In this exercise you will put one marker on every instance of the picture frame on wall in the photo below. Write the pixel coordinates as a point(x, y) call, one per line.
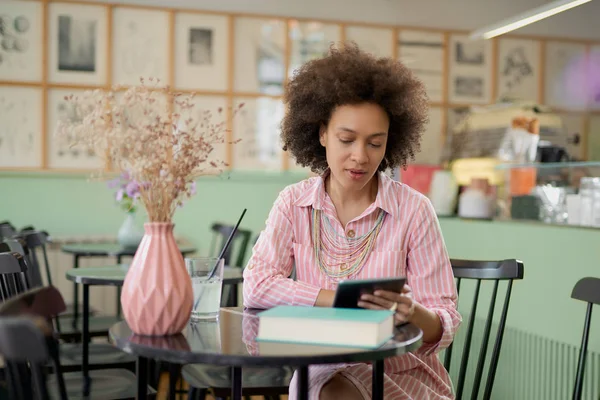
point(61, 154)
point(376, 41)
point(594, 78)
point(21, 127)
point(519, 69)
point(470, 70)
point(201, 51)
point(431, 141)
point(454, 142)
point(593, 143)
point(140, 46)
point(310, 40)
point(260, 51)
point(565, 84)
point(77, 44)
point(257, 128)
point(21, 39)
point(423, 52)
point(204, 104)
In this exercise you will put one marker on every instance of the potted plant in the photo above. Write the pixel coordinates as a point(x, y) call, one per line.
point(163, 143)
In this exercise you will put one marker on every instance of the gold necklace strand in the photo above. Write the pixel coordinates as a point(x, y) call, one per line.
point(354, 246)
point(359, 260)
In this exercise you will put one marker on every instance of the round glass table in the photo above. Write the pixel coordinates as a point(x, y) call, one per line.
point(114, 275)
point(230, 341)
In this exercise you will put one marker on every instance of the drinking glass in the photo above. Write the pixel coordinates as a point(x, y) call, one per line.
point(207, 292)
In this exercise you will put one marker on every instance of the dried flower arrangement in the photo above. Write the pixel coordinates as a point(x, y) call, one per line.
point(151, 133)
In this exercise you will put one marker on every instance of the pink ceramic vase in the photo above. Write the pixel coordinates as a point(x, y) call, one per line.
point(157, 293)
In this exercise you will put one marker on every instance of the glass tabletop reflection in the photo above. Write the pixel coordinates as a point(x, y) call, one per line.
point(231, 340)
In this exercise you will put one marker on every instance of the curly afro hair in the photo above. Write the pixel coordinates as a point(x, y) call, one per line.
point(350, 76)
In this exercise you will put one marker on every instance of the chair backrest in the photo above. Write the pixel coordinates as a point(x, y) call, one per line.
point(7, 230)
point(27, 342)
point(24, 350)
point(495, 271)
point(17, 245)
point(587, 290)
point(241, 240)
point(37, 240)
point(13, 275)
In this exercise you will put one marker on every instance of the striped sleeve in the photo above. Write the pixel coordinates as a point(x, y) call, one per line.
point(430, 275)
point(266, 277)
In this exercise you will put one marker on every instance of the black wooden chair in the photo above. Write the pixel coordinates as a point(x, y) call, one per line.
point(29, 346)
point(238, 246)
point(7, 230)
point(239, 243)
point(587, 290)
point(478, 271)
point(14, 281)
point(18, 245)
point(70, 325)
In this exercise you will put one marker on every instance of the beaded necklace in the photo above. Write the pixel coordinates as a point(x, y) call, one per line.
point(351, 258)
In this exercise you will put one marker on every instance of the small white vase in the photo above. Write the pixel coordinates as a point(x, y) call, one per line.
point(130, 235)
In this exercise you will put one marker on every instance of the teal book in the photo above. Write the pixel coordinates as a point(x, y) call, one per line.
point(339, 327)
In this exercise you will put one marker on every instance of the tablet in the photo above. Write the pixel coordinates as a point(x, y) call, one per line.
point(348, 292)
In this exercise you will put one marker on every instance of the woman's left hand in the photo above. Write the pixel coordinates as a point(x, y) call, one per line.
point(401, 303)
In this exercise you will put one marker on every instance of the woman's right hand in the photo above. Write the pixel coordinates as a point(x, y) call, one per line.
point(325, 298)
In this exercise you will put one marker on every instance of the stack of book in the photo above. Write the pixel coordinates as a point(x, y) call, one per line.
point(323, 327)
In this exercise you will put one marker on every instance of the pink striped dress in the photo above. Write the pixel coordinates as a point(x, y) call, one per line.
point(409, 244)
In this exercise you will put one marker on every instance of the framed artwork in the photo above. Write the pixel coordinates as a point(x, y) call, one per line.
point(21, 41)
point(377, 41)
point(593, 143)
point(518, 69)
point(201, 51)
point(470, 72)
point(454, 143)
point(310, 40)
point(20, 130)
point(77, 44)
point(140, 45)
point(566, 75)
point(594, 78)
point(431, 141)
point(61, 154)
point(259, 55)
point(258, 127)
point(212, 104)
point(423, 53)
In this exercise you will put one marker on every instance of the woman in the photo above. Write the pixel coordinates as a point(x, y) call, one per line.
point(350, 117)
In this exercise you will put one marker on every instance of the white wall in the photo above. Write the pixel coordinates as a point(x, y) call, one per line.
point(581, 22)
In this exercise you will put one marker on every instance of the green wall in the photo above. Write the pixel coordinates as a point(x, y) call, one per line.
point(71, 205)
point(555, 257)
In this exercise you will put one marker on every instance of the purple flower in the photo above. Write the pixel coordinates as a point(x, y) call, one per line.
point(193, 188)
point(120, 194)
point(133, 190)
point(113, 183)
